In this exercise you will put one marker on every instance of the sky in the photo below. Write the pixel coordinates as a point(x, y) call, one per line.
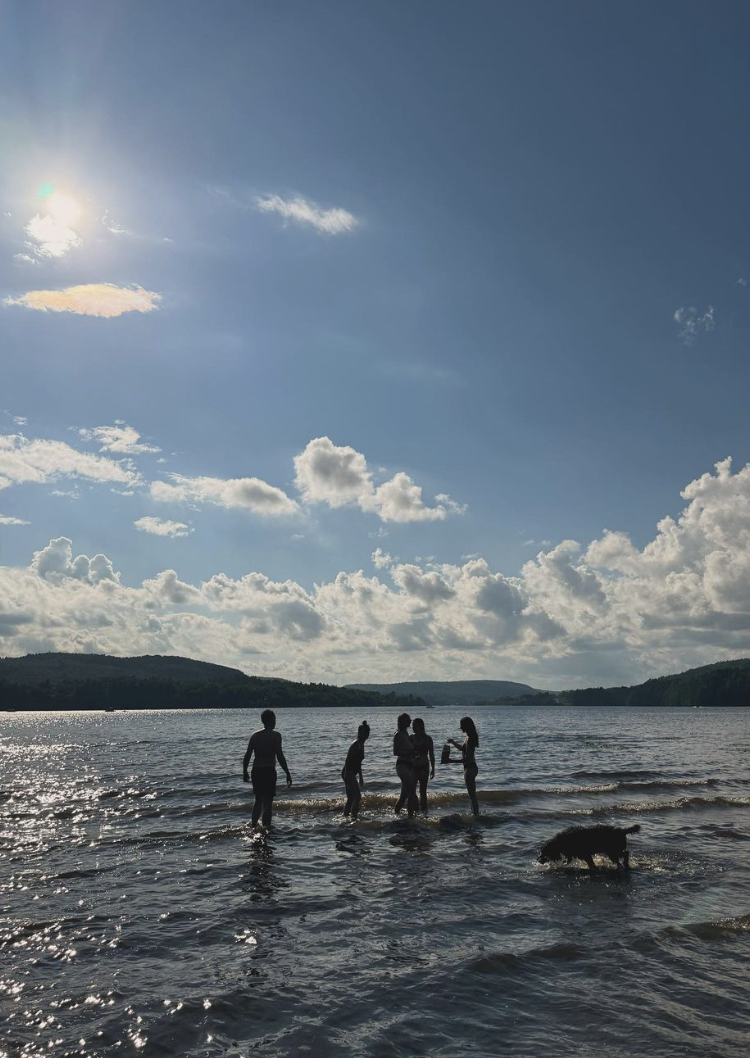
point(376, 342)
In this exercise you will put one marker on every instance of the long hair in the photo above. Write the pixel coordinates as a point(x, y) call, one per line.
point(363, 730)
point(403, 721)
point(418, 725)
point(470, 728)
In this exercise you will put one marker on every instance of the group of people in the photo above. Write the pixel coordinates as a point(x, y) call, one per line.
point(415, 765)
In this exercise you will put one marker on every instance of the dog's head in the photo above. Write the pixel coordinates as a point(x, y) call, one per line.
point(550, 851)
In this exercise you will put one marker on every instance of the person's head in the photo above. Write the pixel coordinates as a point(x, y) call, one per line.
point(404, 721)
point(468, 727)
point(418, 725)
point(268, 719)
point(363, 731)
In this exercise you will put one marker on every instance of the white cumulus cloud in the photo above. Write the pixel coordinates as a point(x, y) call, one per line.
point(339, 476)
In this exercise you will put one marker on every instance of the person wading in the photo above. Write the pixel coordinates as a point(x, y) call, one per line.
point(403, 751)
point(424, 761)
point(468, 749)
point(351, 773)
point(266, 745)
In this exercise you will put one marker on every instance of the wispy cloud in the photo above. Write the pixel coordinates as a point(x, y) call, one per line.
point(91, 299)
point(302, 211)
point(42, 461)
point(118, 438)
point(162, 527)
point(691, 323)
point(5, 519)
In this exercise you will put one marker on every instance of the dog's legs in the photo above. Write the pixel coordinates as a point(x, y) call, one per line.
point(626, 860)
point(590, 861)
point(615, 859)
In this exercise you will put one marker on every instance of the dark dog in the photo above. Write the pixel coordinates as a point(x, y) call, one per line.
point(581, 843)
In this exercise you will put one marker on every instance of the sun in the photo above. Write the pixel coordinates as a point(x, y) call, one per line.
point(63, 208)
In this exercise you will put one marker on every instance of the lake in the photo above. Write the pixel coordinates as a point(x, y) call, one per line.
point(140, 914)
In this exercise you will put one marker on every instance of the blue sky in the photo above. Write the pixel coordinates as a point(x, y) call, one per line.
point(499, 248)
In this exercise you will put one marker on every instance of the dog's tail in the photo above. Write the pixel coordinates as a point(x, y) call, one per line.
point(632, 830)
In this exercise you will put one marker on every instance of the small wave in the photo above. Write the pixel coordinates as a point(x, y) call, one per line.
point(512, 961)
point(640, 807)
point(705, 930)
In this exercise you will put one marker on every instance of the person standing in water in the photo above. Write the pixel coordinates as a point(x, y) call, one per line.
point(351, 773)
point(266, 745)
point(424, 762)
point(468, 749)
point(403, 751)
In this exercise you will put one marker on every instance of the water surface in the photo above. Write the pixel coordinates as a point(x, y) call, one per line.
point(139, 913)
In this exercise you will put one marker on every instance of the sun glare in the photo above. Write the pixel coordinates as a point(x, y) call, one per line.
point(63, 208)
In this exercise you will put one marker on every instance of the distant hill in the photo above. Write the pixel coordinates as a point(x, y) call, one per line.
point(98, 681)
point(462, 693)
point(725, 683)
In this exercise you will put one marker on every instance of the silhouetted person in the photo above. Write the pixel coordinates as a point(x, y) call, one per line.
point(351, 773)
point(403, 751)
point(468, 748)
point(424, 761)
point(266, 745)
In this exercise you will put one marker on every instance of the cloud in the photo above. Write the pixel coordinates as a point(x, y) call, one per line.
point(250, 494)
point(691, 324)
point(55, 562)
point(6, 519)
point(53, 238)
point(339, 476)
point(301, 211)
point(162, 527)
point(40, 461)
point(573, 615)
point(117, 438)
point(92, 299)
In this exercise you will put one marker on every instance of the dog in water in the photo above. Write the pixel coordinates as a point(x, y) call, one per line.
point(582, 843)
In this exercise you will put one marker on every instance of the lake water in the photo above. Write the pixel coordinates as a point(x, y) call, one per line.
point(139, 914)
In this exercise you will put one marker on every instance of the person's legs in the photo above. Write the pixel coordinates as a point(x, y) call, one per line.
point(356, 798)
point(422, 776)
point(264, 788)
point(404, 792)
point(352, 793)
point(408, 779)
point(470, 776)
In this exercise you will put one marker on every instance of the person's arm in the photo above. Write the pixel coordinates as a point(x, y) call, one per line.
point(282, 761)
point(431, 752)
point(246, 760)
point(361, 779)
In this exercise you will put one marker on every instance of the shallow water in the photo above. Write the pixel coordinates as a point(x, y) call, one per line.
point(139, 914)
